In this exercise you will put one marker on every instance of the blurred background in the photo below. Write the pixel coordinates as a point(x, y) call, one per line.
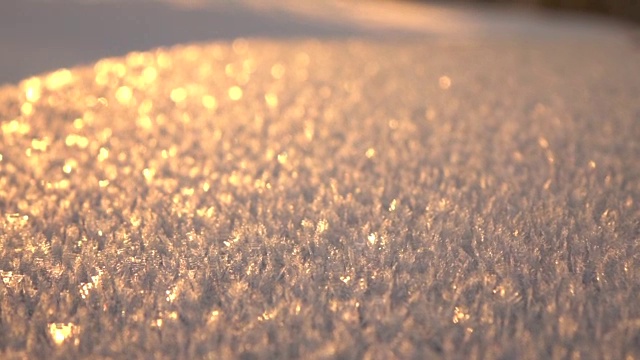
point(42, 35)
point(627, 9)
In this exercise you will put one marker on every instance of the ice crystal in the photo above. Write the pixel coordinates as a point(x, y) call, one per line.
point(339, 199)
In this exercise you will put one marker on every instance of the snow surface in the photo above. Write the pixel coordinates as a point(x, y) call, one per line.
point(262, 198)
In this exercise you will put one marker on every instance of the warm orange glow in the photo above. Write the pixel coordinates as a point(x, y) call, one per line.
point(272, 100)
point(460, 315)
point(15, 127)
point(372, 239)
point(164, 60)
point(57, 80)
point(209, 102)
point(393, 205)
point(148, 173)
point(444, 82)
point(277, 71)
point(78, 123)
point(61, 332)
point(124, 94)
point(323, 225)
point(144, 122)
point(69, 166)
point(76, 140)
point(103, 154)
point(235, 93)
point(135, 221)
point(32, 89)
point(178, 95)
point(283, 157)
point(26, 109)
point(39, 144)
point(371, 152)
point(149, 74)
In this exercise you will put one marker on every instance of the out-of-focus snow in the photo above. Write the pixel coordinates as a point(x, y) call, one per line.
point(448, 183)
point(317, 199)
point(39, 36)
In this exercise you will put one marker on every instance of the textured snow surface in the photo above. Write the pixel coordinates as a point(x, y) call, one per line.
point(346, 199)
